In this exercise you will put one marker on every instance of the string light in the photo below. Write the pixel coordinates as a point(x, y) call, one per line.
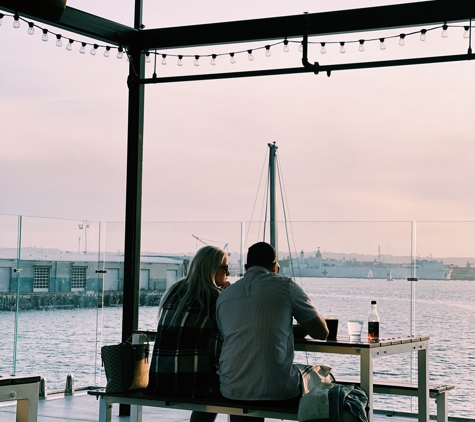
point(286, 46)
point(120, 50)
point(444, 30)
point(16, 21)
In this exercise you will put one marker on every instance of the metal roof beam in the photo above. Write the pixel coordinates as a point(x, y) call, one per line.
point(336, 22)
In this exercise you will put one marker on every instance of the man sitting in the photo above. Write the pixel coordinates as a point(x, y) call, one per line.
point(255, 320)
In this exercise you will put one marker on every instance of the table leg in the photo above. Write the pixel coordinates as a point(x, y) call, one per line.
point(27, 402)
point(423, 383)
point(105, 410)
point(366, 378)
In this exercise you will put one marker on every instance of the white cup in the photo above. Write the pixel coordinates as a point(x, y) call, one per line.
point(355, 327)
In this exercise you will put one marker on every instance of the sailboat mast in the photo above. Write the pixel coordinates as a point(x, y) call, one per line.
point(272, 194)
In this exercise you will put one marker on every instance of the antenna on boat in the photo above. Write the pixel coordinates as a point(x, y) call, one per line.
point(272, 195)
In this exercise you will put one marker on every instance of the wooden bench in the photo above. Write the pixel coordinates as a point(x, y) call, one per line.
point(23, 390)
point(220, 405)
point(139, 399)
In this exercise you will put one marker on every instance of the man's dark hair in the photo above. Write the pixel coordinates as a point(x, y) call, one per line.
point(261, 254)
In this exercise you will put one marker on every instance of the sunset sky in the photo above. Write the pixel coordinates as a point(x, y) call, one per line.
point(391, 144)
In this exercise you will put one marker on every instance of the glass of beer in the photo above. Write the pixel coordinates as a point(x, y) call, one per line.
point(332, 324)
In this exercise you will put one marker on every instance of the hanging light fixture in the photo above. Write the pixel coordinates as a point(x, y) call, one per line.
point(233, 59)
point(31, 28)
point(402, 41)
point(286, 46)
point(59, 41)
point(361, 46)
point(107, 51)
point(69, 46)
point(250, 56)
point(164, 59)
point(16, 21)
point(423, 36)
point(44, 37)
point(382, 44)
point(323, 49)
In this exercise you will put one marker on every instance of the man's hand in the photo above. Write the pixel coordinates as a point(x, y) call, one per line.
point(316, 328)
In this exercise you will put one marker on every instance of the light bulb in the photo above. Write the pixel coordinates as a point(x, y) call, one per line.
point(342, 48)
point(268, 53)
point(69, 46)
point(444, 31)
point(233, 59)
point(250, 55)
point(179, 62)
point(213, 60)
point(382, 45)
point(31, 28)
point(44, 37)
point(323, 49)
point(94, 49)
point(401, 40)
point(286, 46)
point(1, 18)
point(466, 32)
point(16, 21)
point(164, 59)
point(120, 54)
point(197, 61)
point(147, 57)
point(361, 47)
point(301, 48)
point(107, 52)
point(82, 50)
point(423, 36)
point(59, 41)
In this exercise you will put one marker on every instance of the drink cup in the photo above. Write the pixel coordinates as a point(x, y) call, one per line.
point(355, 327)
point(332, 324)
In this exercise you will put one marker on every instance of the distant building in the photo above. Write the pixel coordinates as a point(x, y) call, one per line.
point(55, 271)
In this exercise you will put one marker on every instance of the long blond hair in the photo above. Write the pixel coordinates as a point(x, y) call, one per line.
point(200, 282)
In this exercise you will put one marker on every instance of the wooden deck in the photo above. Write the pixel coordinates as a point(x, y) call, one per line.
point(84, 408)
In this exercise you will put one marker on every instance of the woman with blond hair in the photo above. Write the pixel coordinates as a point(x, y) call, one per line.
point(188, 344)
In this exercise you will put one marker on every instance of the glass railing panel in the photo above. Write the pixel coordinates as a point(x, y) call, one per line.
point(8, 291)
point(343, 266)
point(445, 305)
point(58, 326)
point(167, 249)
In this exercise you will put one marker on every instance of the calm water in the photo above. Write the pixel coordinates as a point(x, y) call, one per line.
point(63, 342)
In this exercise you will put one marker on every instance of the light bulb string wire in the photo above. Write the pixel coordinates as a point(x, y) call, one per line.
point(285, 42)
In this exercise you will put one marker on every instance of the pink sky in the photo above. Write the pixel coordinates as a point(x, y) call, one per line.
point(381, 144)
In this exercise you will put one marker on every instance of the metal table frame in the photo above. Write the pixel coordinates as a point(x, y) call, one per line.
point(368, 351)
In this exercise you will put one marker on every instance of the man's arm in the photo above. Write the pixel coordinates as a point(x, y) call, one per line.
point(316, 328)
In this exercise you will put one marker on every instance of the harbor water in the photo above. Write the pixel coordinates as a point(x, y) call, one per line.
point(56, 342)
